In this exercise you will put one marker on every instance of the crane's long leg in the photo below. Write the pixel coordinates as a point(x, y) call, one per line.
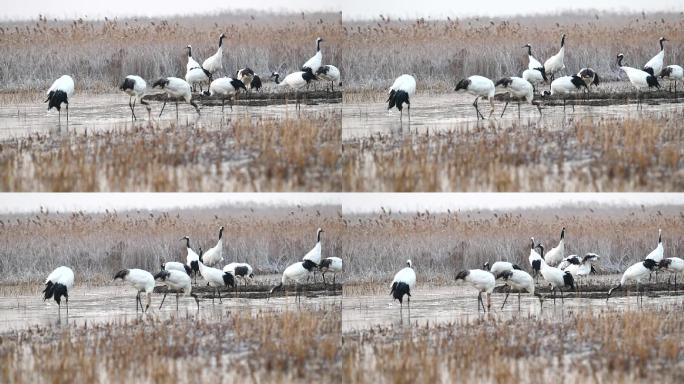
point(176, 111)
point(59, 118)
point(518, 301)
point(176, 301)
point(477, 110)
point(408, 303)
point(518, 110)
point(163, 298)
point(504, 109)
point(561, 291)
point(506, 298)
point(67, 108)
point(163, 106)
point(67, 306)
point(219, 294)
point(137, 298)
point(554, 295)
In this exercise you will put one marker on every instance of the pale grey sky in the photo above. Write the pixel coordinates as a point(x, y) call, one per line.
point(353, 9)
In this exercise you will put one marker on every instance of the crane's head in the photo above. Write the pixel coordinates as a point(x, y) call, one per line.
point(620, 56)
point(409, 263)
point(319, 40)
point(663, 39)
point(162, 275)
point(485, 266)
point(532, 246)
point(121, 274)
point(505, 275)
point(527, 45)
point(223, 36)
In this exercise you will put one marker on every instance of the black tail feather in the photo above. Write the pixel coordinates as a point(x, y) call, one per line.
point(398, 99)
point(228, 279)
point(55, 290)
point(652, 81)
point(56, 98)
point(399, 290)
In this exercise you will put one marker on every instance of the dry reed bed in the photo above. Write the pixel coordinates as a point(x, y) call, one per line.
point(247, 155)
point(438, 52)
point(98, 54)
point(293, 346)
point(95, 246)
point(375, 246)
point(586, 154)
point(606, 346)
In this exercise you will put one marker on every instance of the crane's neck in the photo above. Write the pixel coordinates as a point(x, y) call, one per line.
point(529, 51)
point(662, 47)
point(563, 41)
point(220, 233)
point(318, 238)
point(187, 243)
point(221, 41)
point(318, 45)
point(189, 51)
point(619, 61)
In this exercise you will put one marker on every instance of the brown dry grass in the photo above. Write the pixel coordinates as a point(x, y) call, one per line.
point(95, 246)
point(293, 346)
point(375, 246)
point(99, 54)
point(587, 154)
point(643, 346)
point(439, 52)
point(248, 155)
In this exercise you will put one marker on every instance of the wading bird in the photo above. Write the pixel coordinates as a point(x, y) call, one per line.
point(566, 85)
point(655, 65)
point(555, 277)
point(256, 83)
point(674, 265)
point(295, 274)
point(556, 254)
point(175, 88)
point(216, 278)
point(535, 70)
point(214, 255)
point(481, 280)
point(519, 280)
point(192, 63)
point(399, 94)
point(176, 266)
point(402, 284)
point(330, 265)
point(57, 285)
point(639, 79)
point(658, 253)
point(314, 62)
point(314, 255)
point(589, 76)
point(535, 258)
point(225, 87)
point(197, 76)
point(243, 271)
point(673, 73)
point(192, 258)
point(555, 63)
point(520, 89)
point(478, 86)
point(142, 281)
point(500, 266)
point(329, 73)
point(214, 63)
point(580, 268)
point(635, 273)
point(135, 88)
point(295, 81)
point(177, 281)
point(59, 93)
point(246, 75)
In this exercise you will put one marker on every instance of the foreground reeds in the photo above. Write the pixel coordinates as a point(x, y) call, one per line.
point(581, 155)
point(292, 346)
point(606, 346)
point(375, 246)
point(265, 154)
point(95, 246)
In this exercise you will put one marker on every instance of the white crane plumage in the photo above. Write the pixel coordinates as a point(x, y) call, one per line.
point(518, 88)
point(216, 278)
point(192, 63)
point(555, 63)
point(192, 259)
point(176, 266)
point(402, 284)
point(214, 255)
point(225, 87)
point(480, 87)
point(57, 285)
point(655, 65)
point(674, 265)
point(314, 62)
point(295, 274)
point(295, 81)
point(246, 75)
point(243, 271)
point(330, 265)
point(581, 268)
point(589, 76)
point(500, 266)
point(135, 87)
point(329, 73)
point(314, 255)
point(566, 85)
point(177, 89)
point(535, 70)
point(636, 272)
point(639, 79)
point(178, 281)
point(400, 93)
point(59, 93)
point(535, 258)
point(214, 63)
point(555, 277)
point(519, 280)
point(556, 254)
point(142, 281)
point(197, 76)
point(483, 281)
point(673, 73)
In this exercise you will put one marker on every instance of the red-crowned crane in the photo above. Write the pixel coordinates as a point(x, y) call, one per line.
point(636, 273)
point(214, 255)
point(142, 281)
point(175, 88)
point(478, 86)
point(481, 280)
point(520, 89)
point(216, 278)
point(59, 93)
point(400, 93)
point(555, 277)
point(402, 284)
point(214, 63)
point(673, 73)
point(655, 65)
point(519, 280)
point(57, 285)
point(555, 63)
point(314, 62)
point(135, 88)
point(639, 79)
point(178, 281)
point(294, 274)
point(329, 73)
point(330, 265)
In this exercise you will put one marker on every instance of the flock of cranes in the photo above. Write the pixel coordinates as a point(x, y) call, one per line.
point(178, 276)
point(198, 75)
point(559, 271)
point(523, 88)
